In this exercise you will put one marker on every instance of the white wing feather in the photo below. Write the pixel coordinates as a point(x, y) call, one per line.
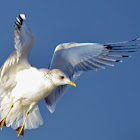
point(74, 58)
point(24, 41)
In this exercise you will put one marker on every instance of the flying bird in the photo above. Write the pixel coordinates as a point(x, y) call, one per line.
point(22, 86)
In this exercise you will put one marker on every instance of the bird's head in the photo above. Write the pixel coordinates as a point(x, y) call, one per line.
point(59, 78)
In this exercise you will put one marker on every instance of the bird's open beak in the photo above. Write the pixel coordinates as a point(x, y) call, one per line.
point(72, 83)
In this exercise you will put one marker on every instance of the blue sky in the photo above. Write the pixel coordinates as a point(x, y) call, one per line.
point(105, 105)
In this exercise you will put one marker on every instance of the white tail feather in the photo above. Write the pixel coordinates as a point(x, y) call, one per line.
point(5, 104)
point(17, 114)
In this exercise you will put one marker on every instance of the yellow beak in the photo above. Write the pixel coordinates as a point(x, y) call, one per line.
point(72, 83)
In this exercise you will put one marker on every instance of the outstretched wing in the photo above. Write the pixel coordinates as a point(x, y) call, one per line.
point(74, 58)
point(24, 41)
point(24, 38)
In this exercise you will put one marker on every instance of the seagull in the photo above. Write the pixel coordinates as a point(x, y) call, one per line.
point(22, 86)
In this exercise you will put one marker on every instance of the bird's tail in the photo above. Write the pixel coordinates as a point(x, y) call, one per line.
point(17, 114)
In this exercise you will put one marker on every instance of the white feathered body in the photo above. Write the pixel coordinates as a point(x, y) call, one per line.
point(31, 87)
point(34, 89)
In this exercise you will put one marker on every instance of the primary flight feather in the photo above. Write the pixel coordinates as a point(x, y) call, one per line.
point(23, 86)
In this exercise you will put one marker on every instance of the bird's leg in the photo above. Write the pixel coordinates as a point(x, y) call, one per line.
point(3, 121)
point(20, 130)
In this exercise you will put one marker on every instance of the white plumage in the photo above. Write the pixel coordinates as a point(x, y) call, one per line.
point(23, 86)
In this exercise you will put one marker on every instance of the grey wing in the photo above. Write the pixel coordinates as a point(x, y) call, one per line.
point(24, 41)
point(74, 58)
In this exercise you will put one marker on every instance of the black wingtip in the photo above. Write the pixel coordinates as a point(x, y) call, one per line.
point(109, 47)
point(19, 21)
point(22, 17)
point(118, 61)
point(125, 56)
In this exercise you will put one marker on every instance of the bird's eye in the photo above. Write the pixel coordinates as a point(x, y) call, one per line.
point(62, 77)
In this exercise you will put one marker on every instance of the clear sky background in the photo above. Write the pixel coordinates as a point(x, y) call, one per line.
point(105, 105)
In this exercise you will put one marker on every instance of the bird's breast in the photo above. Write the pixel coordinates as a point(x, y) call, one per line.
point(31, 86)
